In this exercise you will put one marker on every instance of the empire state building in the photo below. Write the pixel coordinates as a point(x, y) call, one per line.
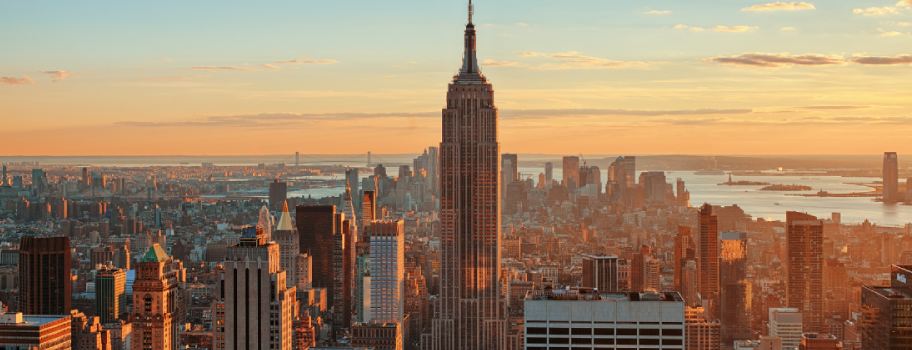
point(471, 312)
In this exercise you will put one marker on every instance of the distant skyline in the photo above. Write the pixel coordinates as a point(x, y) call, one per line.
point(580, 76)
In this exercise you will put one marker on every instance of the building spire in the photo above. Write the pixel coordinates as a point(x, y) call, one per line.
point(471, 11)
point(470, 60)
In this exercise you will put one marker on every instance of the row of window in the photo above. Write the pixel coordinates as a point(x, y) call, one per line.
point(604, 331)
point(604, 341)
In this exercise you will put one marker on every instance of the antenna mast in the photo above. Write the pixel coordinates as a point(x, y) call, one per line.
point(471, 11)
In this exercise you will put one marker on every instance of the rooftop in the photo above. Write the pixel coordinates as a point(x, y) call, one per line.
point(588, 294)
point(155, 254)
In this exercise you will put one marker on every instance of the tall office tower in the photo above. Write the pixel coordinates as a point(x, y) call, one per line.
point(645, 271)
point(786, 324)
point(344, 253)
point(110, 297)
point(317, 228)
point(471, 313)
point(682, 195)
point(387, 271)
point(708, 261)
point(736, 288)
point(265, 222)
point(654, 187)
point(564, 318)
point(890, 177)
point(3, 180)
point(570, 172)
point(600, 272)
point(354, 182)
point(45, 287)
point(622, 180)
point(684, 250)
point(39, 332)
point(278, 193)
point(368, 208)
point(804, 237)
point(549, 174)
point(885, 316)
point(39, 181)
point(690, 286)
point(259, 304)
point(297, 159)
point(289, 246)
point(155, 301)
point(509, 173)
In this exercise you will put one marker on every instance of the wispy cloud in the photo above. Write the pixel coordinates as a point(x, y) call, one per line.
point(500, 63)
point(275, 65)
point(780, 6)
point(889, 33)
point(788, 29)
point(883, 60)
point(657, 12)
point(876, 11)
point(24, 80)
point(733, 29)
point(778, 60)
point(58, 75)
point(717, 29)
point(569, 60)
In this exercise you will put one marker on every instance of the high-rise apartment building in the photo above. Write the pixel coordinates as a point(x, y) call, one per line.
point(45, 287)
point(708, 261)
point(110, 297)
point(570, 172)
point(885, 312)
point(583, 318)
point(155, 301)
point(259, 305)
point(786, 324)
point(735, 305)
point(890, 177)
point(600, 272)
point(471, 313)
point(387, 271)
point(804, 267)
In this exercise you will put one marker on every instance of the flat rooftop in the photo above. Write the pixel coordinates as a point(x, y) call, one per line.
point(891, 293)
point(586, 294)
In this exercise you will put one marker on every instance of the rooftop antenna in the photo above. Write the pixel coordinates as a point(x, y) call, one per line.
point(471, 11)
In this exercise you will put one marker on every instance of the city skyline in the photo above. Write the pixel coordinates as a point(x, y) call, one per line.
point(196, 78)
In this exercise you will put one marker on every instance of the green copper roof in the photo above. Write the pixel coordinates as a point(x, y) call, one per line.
point(155, 254)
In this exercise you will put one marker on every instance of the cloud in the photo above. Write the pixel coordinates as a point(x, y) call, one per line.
point(733, 29)
point(717, 29)
point(778, 60)
point(788, 29)
point(25, 80)
point(876, 11)
point(275, 65)
point(883, 60)
point(830, 108)
point(500, 63)
point(657, 13)
point(569, 60)
point(780, 6)
point(58, 75)
point(890, 33)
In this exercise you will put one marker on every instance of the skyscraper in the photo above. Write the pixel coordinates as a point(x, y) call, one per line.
point(155, 301)
point(787, 325)
point(570, 172)
point(804, 239)
point(549, 174)
point(735, 296)
point(387, 271)
point(278, 193)
point(708, 261)
point(471, 313)
point(45, 287)
point(890, 177)
point(110, 297)
point(509, 172)
point(317, 227)
point(289, 246)
point(601, 273)
point(259, 304)
point(684, 250)
point(885, 314)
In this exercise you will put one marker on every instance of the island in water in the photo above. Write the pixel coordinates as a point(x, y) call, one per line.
point(780, 187)
point(744, 183)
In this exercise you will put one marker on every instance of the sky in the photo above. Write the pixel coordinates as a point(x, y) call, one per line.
point(349, 76)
